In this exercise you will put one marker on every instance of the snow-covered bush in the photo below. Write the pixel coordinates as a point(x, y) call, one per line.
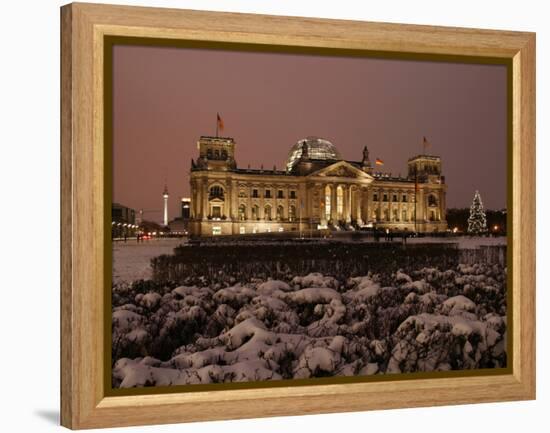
point(313, 325)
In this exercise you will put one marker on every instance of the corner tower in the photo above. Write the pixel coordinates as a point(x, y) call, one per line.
point(216, 153)
point(425, 168)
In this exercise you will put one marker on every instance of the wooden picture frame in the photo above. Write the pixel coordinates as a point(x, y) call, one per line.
point(84, 399)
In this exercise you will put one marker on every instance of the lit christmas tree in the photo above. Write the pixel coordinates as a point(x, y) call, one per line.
point(477, 223)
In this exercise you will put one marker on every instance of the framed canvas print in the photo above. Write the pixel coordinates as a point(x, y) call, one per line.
point(272, 216)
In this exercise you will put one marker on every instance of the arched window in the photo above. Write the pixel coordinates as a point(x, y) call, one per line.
point(209, 153)
point(267, 213)
point(432, 200)
point(340, 202)
point(216, 191)
point(224, 154)
point(242, 212)
point(292, 213)
point(327, 202)
point(280, 213)
point(255, 212)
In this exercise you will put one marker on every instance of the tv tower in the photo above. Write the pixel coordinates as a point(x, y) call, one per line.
point(165, 197)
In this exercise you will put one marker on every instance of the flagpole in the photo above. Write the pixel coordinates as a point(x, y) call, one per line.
point(217, 123)
point(415, 198)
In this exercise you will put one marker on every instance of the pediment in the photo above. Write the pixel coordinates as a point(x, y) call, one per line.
point(342, 169)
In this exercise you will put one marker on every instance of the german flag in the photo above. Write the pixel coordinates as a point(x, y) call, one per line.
point(220, 122)
point(379, 161)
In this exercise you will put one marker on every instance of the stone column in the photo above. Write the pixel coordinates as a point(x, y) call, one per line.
point(204, 189)
point(333, 207)
point(365, 205)
point(421, 209)
point(400, 206)
point(442, 205)
point(353, 202)
point(228, 200)
point(322, 205)
point(347, 203)
point(197, 200)
point(359, 204)
point(234, 204)
point(310, 192)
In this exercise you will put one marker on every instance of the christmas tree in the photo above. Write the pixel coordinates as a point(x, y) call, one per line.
point(477, 223)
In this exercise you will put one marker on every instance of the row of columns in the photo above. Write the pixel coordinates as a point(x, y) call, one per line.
point(351, 203)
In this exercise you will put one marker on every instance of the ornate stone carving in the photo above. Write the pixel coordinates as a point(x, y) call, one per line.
point(342, 171)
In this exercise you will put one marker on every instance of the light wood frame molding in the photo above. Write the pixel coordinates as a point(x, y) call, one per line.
point(84, 403)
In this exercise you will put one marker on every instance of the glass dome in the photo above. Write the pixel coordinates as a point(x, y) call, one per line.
point(318, 148)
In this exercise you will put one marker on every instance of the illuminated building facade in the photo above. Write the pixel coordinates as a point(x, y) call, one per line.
point(318, 190)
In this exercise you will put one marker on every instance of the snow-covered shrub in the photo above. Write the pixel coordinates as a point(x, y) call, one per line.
point(316, 325)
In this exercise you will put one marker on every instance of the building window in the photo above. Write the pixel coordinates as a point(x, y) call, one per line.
point(216, 212)
point(209, 153)
point(404, 215)
point(242, 193)
point(340, 202)
point(395, 215)
point(292, 194)
point(267, 193)
point(242, 230)
point(267, 213)
point(216, 192)
point(242, 212)
point(385, 197)
point(432, 200)
point(394, 198)
point(404, 198)
point(386, 214)
point(375, 197)
point(292, 213)
point(280, 213)
point(327, 202)
point(280, 194)
point(255, 193)
point(216, 230)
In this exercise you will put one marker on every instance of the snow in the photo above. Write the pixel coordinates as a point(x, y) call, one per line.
point(131, 260)
point(314, 325)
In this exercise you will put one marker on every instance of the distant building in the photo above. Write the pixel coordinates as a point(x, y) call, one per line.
point(318, 190)
point(123, 214)
point(180, 225)
point(123, 222)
